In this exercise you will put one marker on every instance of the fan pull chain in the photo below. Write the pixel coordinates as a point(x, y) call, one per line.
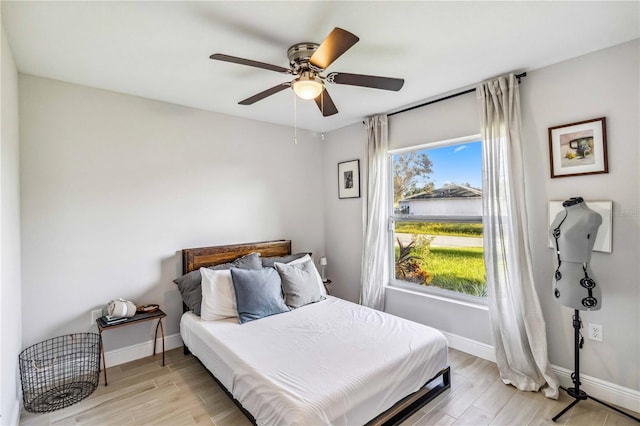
point(295, 120)
point(322, 121)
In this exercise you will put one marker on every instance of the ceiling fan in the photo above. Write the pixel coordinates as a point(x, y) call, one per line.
point(307, 61)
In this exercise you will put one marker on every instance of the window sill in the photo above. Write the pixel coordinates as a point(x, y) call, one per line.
point(470, 304)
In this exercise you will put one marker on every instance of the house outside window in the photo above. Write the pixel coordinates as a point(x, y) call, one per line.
point(436, 224)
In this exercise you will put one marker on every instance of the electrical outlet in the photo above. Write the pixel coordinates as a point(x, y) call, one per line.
point(595, 332)
point(95, 314)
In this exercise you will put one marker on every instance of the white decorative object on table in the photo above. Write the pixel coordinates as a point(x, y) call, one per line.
point(323, 269)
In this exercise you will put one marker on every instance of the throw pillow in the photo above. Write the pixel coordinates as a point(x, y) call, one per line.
point(305, 258)
point(258, 293)
point(218, 297)
point(189, 284)
point(268, 262)
point(299, 283)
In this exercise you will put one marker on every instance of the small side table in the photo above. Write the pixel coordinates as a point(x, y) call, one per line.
point(137, 318)
point(327, 283)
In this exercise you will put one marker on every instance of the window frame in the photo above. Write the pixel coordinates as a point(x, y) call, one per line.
point(392, 218)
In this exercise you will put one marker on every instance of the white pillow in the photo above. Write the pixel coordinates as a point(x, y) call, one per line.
point(306, 257)
point(218, 295)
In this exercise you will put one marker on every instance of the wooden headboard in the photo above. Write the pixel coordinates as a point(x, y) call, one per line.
point(201, 257)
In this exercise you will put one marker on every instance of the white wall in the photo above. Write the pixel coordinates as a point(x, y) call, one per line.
point(604, 83)
point(114, 186)
point(10, 294)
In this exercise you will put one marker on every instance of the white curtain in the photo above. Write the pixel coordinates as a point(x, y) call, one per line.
point(374, 268)
point(516, 318)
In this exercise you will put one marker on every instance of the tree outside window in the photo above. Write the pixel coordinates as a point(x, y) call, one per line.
point(437, 224)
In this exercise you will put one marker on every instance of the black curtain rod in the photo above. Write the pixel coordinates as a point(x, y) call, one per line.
point(518, 76)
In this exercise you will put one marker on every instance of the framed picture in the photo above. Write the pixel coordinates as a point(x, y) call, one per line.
point(578, 148)
point(349, 179)
point(603, 238)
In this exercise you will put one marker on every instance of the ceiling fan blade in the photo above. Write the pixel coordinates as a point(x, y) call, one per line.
point(255, 98)
point(249, 62)
point(336, 43)
point(385, 83)
point(325, 104)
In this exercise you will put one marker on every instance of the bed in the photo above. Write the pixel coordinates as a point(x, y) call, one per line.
point(329, 362)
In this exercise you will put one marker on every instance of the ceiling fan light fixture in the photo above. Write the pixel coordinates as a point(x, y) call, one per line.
point(308, 86)
point(307, 61)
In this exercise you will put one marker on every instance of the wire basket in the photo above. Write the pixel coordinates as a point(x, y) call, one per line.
point(59, 372)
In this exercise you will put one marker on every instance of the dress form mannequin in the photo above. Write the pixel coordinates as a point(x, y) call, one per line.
point(574, 231)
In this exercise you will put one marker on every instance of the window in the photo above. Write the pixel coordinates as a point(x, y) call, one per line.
point(436, 224)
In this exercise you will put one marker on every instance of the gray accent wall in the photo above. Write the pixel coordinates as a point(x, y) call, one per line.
point(114, 186)
point(10, 286)
point(604, 83)
point(452, 119)
point(343, 217)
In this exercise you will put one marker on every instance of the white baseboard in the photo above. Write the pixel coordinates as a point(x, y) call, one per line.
point(141, 350)
point(609, 392)
point(472, 347)
point(606, 391)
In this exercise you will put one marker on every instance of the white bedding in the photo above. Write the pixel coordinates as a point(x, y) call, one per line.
point(331, 362)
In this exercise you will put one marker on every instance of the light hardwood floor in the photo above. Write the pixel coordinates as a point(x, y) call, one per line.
point(183, 393)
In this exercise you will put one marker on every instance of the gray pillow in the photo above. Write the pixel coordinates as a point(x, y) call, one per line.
point(299, 283)
point(267, 262)
point(249, 261)
point(190, 285)
point(258, 293)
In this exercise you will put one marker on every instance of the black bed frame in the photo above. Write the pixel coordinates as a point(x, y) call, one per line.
point(388, 418)
point(193, 259)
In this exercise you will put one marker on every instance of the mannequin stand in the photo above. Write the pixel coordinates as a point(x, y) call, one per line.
point(575, 392)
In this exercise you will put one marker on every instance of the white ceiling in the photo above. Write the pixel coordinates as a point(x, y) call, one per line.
point(160, 50)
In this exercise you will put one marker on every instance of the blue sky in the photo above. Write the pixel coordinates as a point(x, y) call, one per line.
point(456, 164)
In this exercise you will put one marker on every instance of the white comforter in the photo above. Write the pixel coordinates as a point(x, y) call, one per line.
point(331, 362)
